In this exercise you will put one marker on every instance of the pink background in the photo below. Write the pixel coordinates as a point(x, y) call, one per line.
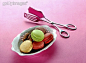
point(71, 50)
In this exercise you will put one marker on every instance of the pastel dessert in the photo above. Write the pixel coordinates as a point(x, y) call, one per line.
point(26, 46)
point(26, 36)
point(38, 45)
point(41, 28)
point(37, 35)
point(48, 37)
point(35, 40)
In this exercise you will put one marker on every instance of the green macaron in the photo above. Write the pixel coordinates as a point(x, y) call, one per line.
point(37, 35)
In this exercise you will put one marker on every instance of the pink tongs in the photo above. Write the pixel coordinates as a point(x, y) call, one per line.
point(36, 16)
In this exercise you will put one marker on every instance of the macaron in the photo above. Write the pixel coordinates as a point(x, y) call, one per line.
point(41, 28)
point(38, 45)
point(37, 35)
point(26, 46)
point(26, 36)
point(48, 37)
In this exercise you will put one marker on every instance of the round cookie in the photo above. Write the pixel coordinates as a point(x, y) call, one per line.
point(41, 28)
point(26, 36)
point(26, 46)
point(37, 35)
point(48, 37)
point(38, 45)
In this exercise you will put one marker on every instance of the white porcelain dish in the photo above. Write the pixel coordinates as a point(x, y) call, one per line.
point(17, 41)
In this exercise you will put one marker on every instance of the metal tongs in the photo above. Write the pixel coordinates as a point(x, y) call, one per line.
point(36, 16)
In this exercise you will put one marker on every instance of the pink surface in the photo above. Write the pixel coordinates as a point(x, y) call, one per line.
point(71, 50)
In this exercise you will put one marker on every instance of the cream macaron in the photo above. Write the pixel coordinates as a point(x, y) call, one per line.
point(26, 46)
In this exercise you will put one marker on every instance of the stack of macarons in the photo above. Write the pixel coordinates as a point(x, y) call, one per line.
point(35, 40)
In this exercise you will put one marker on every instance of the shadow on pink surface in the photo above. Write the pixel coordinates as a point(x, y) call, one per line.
point(37, 23)
point(42, 57)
